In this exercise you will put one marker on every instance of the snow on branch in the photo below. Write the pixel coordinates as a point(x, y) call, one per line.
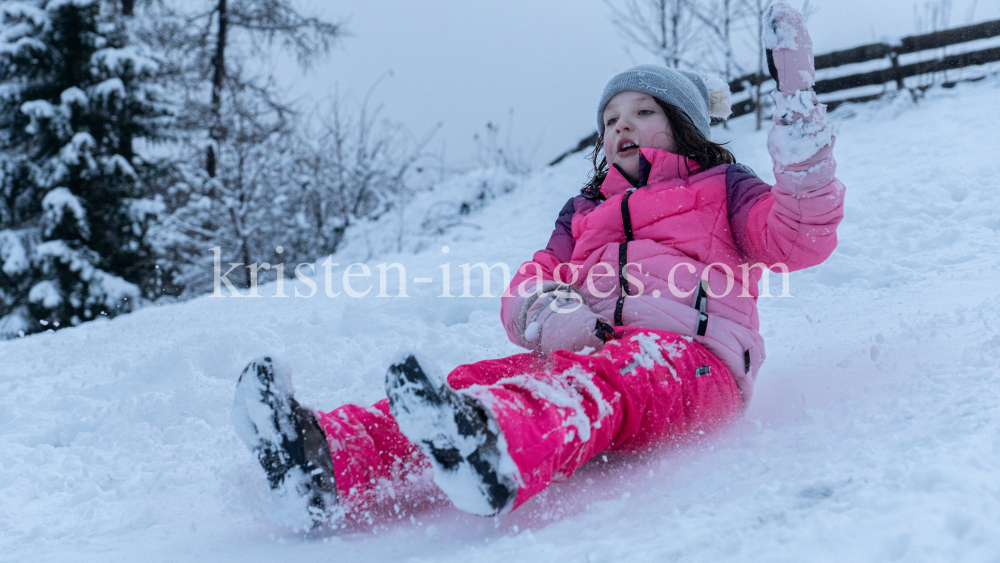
point(109, 88)
point(24, 47)
point(124, 60)
point(14, 324)
point(12, 253)
point(45, 292)
point(73, 96)
point(55, 205)
point(21, 12)
point(55, 5)
point(38, 111)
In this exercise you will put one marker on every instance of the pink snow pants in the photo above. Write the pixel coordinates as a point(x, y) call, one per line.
point(646, 388)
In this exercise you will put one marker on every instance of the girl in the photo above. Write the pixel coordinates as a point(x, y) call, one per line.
point(640, 313)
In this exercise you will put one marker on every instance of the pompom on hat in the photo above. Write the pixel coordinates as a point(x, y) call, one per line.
point(700, 99)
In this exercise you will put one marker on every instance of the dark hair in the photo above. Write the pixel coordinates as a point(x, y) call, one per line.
point(689, 140)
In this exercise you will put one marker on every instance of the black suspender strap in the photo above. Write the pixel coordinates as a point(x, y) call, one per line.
point(627, 217)
point(701, 305)
point(622, 261)
point(623, 258)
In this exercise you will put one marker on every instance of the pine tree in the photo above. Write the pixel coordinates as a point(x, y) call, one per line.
point(74, 97)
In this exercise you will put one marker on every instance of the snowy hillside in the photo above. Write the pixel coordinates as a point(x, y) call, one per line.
point(874, 434)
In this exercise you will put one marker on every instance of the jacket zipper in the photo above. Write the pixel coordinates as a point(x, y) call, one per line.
point(623, 258)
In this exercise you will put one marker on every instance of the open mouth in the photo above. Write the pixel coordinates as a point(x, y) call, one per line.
point(625, 146)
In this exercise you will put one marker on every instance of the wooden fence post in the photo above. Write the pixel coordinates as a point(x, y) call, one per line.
point(894, 59)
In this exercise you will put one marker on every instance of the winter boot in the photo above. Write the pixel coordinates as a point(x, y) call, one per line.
point(287, 440)
point(463, 443)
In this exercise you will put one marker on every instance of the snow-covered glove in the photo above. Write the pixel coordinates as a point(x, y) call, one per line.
point(561, 320)
point(801, 142)
point(789, 49)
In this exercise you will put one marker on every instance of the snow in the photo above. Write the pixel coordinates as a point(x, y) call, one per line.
point(117, 61)
point(54, 5)
point(118, 164)
point(81, 145)
point(103, 288)
point(13, 256)
point(47, 293)
point(960, 48)
point(59, 250)
point(110, 290)
point(37, 110)
point(532, 331)
point(56, 203)
point(794, 138)
point(14, 324)
point(73, 95)
point(781, 32)
point(650, 354)
point(564, 390)
point(874, 434)
point(140, 209)
point(109, 87)
point(20, 19)
point(22, 47)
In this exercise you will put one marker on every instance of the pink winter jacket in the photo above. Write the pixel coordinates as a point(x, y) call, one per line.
point(666, 230)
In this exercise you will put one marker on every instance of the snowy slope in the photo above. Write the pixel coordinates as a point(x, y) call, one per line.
point(874, 434)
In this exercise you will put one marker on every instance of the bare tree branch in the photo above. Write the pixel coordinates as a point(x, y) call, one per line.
point(663, 28)
point(271, 20)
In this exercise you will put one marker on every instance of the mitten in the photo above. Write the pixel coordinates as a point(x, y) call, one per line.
point(561, 320)
point(801, 141)
point(789, 49)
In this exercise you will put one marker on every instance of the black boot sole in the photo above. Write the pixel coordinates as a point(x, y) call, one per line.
point(302, 443)
point(410, 389)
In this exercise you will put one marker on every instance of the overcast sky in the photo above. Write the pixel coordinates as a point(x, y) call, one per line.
point(463, 63)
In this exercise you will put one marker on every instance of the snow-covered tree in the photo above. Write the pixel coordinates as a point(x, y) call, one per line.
point(241, 209)
point(208, 42)
point(238, 135)
point(74, 97)
point(280, 182)
point(354, 167)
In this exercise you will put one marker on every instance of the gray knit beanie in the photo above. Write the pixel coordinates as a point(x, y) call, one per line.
point(685, 90)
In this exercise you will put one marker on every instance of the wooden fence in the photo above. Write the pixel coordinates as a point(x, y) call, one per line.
point(895, 73)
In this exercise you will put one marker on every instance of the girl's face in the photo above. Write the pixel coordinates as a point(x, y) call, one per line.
point(633, 120)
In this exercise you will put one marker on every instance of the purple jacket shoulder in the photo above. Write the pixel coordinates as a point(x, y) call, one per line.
point(743, 190)
point(561, 242)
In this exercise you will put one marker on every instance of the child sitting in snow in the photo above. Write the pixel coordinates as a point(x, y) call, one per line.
point(640, 313)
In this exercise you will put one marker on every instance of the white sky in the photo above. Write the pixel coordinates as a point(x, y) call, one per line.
point(466, 62)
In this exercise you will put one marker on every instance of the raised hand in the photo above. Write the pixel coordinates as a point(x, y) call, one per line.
point(789, 49)
point(801, 141)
